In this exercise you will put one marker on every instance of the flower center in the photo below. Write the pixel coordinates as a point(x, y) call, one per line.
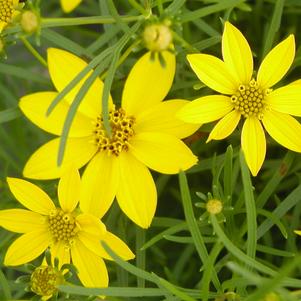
point(214, 206)
point(122, 131)
point(6, 10)
point(249, 100)
point(44, 279)
point(62, 226)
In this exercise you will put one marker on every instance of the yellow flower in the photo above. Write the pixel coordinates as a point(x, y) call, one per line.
point(247, 97)
point(69, 5)
point(8, 11)
point(44, 281)
point(145, 133)
point(71, 236)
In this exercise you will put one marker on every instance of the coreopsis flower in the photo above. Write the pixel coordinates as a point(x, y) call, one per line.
point(69, 5)
point(9, 9)
point(71, 235)
point(145, 133)
point(247, 97)
point(44, 281)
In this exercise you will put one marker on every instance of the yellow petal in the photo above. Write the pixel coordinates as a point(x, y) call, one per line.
point(91, 224)
point(162, 152)
point(213, 72)
point(205, 109)
point(27, 247)
point(2, 26)
point(69, 5)
point(284, 129)
point(237, 54)
point(276, 63)
point(35, 106)
point(286, 99)
point(43, 162)
point(69, 189)
point(21, 221)
point(30, 196)
point(99, 184)
point(63, 68)
point(253, 144)
point(298, 232)
point(136, 195)
point(92, 270)
point(116, 244)
point(59, 251)
point(148, 83)
point(161, 118)
point(296, 82)
point(225, 126)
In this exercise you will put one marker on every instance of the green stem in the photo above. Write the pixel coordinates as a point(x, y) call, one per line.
point(184, 43)
point(140, 254)
point(160, 6)
point(137, 6)
point(34, 52)
point(123, 56)
point(57, 22)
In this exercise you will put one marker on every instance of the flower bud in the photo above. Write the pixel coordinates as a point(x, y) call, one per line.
point(214, 206)
point(157, 37)
point(29, 21)
point(45, 279)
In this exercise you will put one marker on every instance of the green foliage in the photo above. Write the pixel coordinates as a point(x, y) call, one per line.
point(245, 253)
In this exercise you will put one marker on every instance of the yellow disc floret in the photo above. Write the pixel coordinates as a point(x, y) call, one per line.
point(6, 10)
point(249, 100)
point(62, 226)
point(122, 131)
point(44, 280)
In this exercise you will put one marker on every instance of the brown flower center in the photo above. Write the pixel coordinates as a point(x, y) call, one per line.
point(62, 226)
point(6, 10)
point(122, 131)
point(249, 100)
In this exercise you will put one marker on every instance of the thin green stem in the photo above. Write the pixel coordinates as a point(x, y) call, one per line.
point(193, 226)
point(34, 52)
point(124, 56)
point(184, 43)
point(160, 6)
point(137, 6)
point(140, 254)
point(58, 22)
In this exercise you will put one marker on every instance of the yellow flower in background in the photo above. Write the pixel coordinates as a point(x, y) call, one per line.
point(9, 9)
point(247, 97)
point(145, 133)
point(69, 5)
point(71, 236)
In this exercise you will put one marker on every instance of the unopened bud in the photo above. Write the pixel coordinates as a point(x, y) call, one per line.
point(271, 297)
point(214, 206)
point(45, 279)
point(29, 21)
point(157, 37)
